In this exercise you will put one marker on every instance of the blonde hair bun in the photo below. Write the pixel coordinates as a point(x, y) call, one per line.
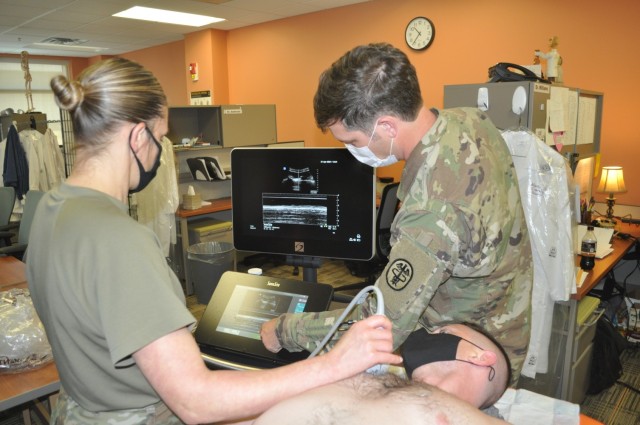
point(68, 94)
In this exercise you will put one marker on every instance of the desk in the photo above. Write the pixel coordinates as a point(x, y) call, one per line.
point(604, 265)
point(600, 270)
point(23, 387)
point(217, 205)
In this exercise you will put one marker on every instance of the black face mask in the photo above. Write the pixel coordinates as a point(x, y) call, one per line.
point(146, 176)
point(422, 347)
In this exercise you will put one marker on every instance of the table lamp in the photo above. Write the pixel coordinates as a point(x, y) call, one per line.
point(611, 182)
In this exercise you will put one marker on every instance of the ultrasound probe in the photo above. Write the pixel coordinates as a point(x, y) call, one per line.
point(358, 299)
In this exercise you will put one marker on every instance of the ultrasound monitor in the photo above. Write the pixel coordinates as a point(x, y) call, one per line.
point(228, 333)
point(304, 203)
point(249, 308)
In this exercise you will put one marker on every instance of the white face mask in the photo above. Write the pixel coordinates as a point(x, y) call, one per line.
point(367, 157)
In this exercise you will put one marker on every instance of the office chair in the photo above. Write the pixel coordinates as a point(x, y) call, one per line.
point(18, 249)
point(386, 212)
point(7, 201)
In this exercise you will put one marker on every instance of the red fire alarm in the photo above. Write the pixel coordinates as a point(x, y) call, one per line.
point(193, 71)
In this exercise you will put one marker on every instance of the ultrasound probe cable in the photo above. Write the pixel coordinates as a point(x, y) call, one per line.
point(358, 299)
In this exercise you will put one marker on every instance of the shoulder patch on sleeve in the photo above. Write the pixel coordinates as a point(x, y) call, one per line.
point(399, 274)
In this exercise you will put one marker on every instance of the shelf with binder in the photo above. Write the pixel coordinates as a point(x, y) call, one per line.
point(223, 125)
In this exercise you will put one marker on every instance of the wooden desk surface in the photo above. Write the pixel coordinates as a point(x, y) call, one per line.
point(217, 205)
point(23, 387)
point(12, 272)
point(604, 265)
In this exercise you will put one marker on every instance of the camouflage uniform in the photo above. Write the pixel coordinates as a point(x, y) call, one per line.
point(68, 412)
point(461, 249)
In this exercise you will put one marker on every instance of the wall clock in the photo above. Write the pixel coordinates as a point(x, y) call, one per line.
point(419, 33)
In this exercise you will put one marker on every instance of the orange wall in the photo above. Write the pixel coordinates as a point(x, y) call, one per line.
point(167, 63)
point(198, 48)
point(220, 67)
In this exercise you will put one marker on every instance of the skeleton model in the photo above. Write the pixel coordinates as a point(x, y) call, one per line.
point(27, 80)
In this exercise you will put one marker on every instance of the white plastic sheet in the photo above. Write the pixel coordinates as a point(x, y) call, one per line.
point(23, 342)
point(524, 407)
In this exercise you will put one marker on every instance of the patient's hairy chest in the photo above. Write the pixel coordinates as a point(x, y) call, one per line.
point(369, 399)
point(375, 400)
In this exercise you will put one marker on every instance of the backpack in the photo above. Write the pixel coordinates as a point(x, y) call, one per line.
point(606, 367)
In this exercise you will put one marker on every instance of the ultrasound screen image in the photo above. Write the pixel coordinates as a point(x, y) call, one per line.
point(307, 210)
point(300, 180)
point(302, 203)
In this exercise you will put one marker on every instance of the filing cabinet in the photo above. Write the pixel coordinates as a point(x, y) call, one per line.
point(587, 319)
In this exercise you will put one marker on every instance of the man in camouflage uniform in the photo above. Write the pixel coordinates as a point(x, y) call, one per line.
point(460, 247)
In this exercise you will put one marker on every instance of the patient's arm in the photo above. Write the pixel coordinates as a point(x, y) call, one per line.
point(375, 400)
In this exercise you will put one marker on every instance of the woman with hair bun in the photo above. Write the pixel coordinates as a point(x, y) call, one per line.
point(113, 310)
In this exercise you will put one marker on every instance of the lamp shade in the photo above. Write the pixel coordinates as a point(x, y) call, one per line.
point(611, 180)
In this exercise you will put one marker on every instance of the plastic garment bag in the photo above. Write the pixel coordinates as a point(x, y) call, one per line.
point(158, 202)
point(544, 181)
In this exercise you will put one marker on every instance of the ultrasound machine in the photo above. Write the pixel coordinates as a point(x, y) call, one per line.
point(305, 204)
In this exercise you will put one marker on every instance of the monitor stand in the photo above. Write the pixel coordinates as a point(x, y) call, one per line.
point(309, 266)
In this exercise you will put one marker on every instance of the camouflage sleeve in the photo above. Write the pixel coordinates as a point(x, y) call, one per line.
point(420, 261)
point(303, 331)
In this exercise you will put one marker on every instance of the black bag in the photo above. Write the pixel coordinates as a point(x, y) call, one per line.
point(505, 71)
point(606, 367)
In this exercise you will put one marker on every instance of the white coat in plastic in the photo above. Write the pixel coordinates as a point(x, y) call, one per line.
point(543, 178)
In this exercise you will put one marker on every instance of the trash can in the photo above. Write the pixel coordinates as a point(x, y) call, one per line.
point(207, 261)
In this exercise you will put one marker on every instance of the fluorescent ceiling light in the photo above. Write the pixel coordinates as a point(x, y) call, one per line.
point(55, 46)
point(167, 16)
